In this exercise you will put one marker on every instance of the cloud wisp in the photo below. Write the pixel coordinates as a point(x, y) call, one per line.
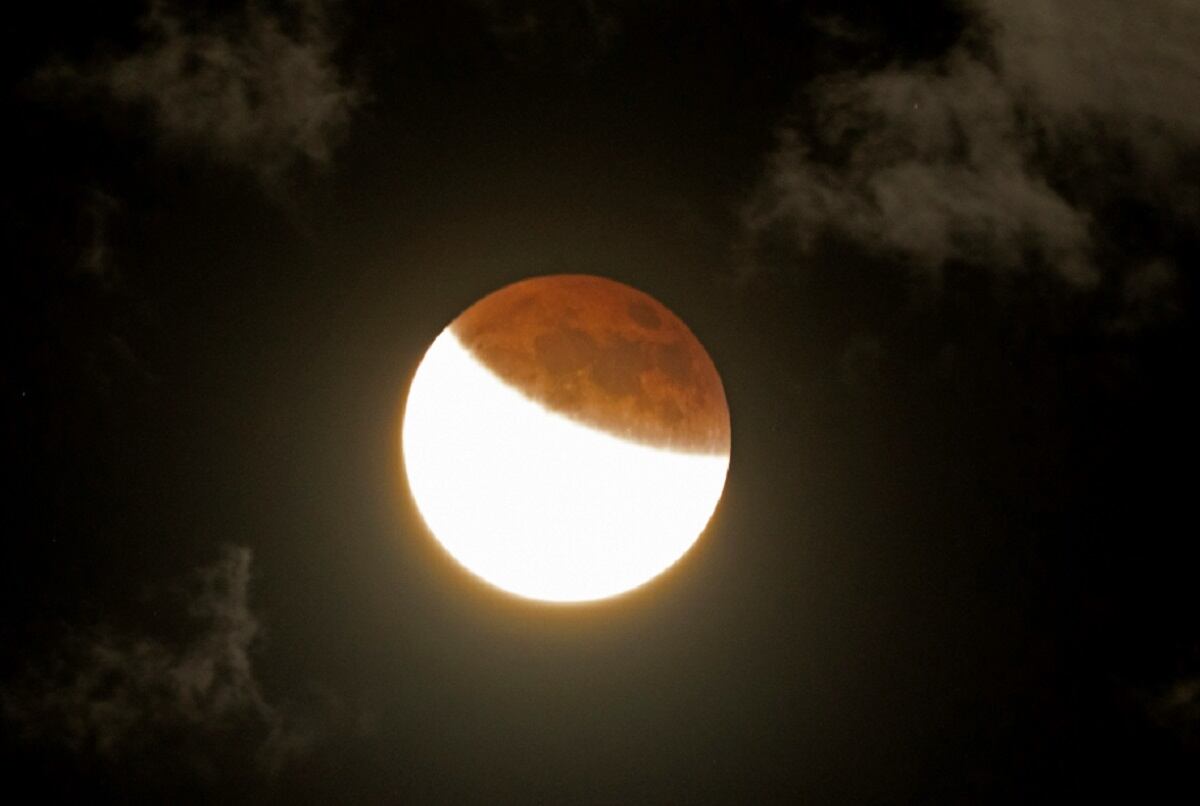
point(112, 695)
point(975, 157)
point(259, 90)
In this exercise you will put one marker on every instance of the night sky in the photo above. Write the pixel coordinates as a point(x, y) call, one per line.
point(942, 254)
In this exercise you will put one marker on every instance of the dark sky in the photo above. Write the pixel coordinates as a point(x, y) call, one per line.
point(941, 253)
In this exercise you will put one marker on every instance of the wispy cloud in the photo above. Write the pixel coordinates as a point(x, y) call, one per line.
point(931, 165)
point(259, 89)
point(520, 28)
point(109, 695)
point(1133, 65)
point(979, 157)
point(96, 258)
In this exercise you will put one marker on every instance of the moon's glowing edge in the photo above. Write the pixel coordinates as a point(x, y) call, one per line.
point(536, 503)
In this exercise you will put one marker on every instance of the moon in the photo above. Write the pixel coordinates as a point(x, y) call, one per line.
point(566, 438)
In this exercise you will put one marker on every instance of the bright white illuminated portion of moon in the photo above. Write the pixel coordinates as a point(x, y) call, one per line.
point(540, 505)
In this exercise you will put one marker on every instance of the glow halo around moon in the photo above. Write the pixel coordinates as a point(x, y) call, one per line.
point(540, 504)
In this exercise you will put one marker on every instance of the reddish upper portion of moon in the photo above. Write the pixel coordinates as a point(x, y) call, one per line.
point(604, 354)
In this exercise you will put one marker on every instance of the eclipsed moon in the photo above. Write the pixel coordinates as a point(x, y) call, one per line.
point(566, 438)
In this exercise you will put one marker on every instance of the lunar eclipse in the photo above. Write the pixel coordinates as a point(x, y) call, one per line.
point(566, 438)
point(372, 374)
